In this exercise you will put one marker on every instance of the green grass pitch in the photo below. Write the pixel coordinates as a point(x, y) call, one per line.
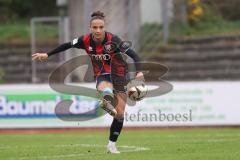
point(173, 144)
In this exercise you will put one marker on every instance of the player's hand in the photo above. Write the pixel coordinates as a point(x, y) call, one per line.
point(40, 56)
point(140, 76)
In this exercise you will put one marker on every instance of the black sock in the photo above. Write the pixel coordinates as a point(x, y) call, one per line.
point(115, 129)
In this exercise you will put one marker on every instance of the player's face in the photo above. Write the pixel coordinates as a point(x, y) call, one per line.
point(98, 29)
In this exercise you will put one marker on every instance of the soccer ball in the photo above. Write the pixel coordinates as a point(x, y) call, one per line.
point(137, 93)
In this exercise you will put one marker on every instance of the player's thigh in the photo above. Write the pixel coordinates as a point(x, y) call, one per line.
point(103, 84)
point(104, 81)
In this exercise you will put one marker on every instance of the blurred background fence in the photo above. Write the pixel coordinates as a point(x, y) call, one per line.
point(195, 39)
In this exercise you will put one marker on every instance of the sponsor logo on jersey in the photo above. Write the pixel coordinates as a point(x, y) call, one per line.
point(105, 57)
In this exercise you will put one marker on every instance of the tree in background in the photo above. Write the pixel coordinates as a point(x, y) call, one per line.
point(1, 75)
point(229, 9)
point(194, 11)
point(11, 10)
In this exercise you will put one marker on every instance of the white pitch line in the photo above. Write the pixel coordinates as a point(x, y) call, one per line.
point(101, 146)
point(129, 149)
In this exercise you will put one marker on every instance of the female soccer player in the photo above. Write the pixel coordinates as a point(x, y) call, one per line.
point(109, 70)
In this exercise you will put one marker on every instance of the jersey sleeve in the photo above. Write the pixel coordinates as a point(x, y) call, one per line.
point(61, 48)
point(78, 43)
point(117, 41)
point(122, 48)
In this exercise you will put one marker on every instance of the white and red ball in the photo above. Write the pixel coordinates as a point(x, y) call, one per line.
point(137, 93)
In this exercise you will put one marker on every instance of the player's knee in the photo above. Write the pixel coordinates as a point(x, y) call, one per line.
point(120, 116)
point(107, 94)
point(106, 91)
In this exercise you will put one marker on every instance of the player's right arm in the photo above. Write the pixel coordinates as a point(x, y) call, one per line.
point(76, 43)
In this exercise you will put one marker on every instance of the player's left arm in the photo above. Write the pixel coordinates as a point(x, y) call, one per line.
point(131, 53)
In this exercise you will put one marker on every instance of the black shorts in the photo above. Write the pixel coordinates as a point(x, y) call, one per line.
point(119, 82)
